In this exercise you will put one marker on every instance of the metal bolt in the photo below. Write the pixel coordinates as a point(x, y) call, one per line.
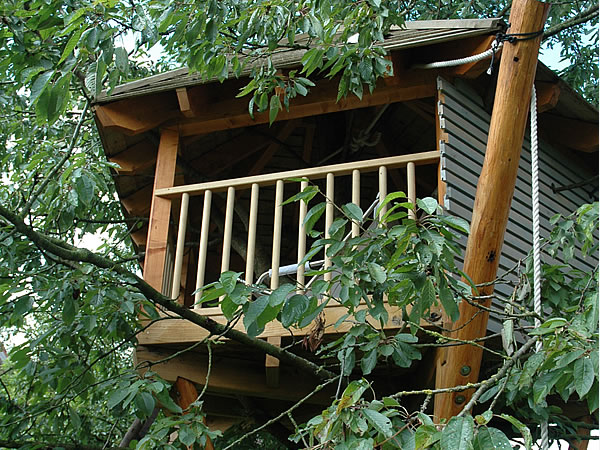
point(465, 370)
point(459, 399)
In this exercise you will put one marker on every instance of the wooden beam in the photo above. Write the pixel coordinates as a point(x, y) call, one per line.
point(493, 197)
point(160, 211)
point(184, 332)
point(270, 151)
point(185, 394)
point(138, 204)
point(547, 95)
point(232, 376)
point(184, 102)
point(472, 47)
point(139, 114)
point(574, 134)
point(136, 158)
point(215, 115)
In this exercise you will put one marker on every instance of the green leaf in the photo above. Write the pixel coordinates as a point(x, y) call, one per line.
point(313, 215)
point(69, 309)
point(186, 436)
point(447, 299)
point(522, 429)
point(368, 361)
point(353, 212)
point(380, 422)
point(72, 42)
point(274, 107)
point(39, 85)
point(491, 438)
point(23, 306)
point(279, 295)
point(531, 366)
point(293, 309)
point(377, 272)
point(458, 434)
point(116, 397)
point(428, 204)
point(254, 310)
point(121, 59)
point(306, 195)
point(145, 402)
point(484, 418)
point(583, 374)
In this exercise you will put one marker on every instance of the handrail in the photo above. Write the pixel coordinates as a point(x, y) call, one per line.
point(313, 173)
point(232, 186)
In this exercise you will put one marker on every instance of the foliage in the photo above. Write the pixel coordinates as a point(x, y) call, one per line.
point(71, 325)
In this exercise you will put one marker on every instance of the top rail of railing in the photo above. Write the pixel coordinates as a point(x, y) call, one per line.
point(312, 173)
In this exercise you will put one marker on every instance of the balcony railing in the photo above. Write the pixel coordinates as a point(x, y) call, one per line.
point(254, 184)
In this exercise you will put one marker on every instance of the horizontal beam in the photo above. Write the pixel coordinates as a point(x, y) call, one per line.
point(138, 115)
point(228, 112)
point(232, 376)
point(582, 136)
point(136, 158)
point(182, 332)
point(313, 173)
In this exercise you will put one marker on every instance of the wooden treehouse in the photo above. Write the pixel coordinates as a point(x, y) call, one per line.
point(207, 181)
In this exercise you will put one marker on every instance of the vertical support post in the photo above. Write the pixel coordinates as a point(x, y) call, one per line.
point(252, 234)
point(411, 184)
point(185, 394)
point(203, 247)
point(355, 199)
point(301, 240)
point(329, 193)
point(228, 230)
point(160, 210)
point(382, 191)
point(183, 215)
point(493, 198)
point(271, 363)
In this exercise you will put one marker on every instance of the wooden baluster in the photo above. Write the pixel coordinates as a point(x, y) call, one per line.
point(382, 190)
point(329, 193)
point(412, 188)
point(301, 240)
point(228, 230)
point(252, 234)
point(355, 200)
point(271, 363)
point(183, 215)
point(203, 247)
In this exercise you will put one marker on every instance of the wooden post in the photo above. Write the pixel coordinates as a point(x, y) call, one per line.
point(185, 394)
point(493, 197)
point(160, 211)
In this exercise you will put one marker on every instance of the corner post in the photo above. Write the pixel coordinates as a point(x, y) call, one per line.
point(160, 211)
point(493, 198)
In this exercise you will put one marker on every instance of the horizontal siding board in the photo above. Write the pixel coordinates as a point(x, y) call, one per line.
point(476, 140)
point(467, 123)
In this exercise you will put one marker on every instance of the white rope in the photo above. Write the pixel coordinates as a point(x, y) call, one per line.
point(469, 59)
point(537, 266)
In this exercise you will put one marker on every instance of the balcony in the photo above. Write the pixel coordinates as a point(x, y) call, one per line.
point(283, 224)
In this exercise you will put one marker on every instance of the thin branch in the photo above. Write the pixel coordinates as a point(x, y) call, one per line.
point(282, 415)
point(499, 375)
point(582, 17)
point(58, 165)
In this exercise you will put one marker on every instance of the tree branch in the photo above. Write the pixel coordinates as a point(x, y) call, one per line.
point(578, 19)
point(71, 253)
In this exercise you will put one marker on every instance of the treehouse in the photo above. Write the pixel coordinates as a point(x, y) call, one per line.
point(202, 183)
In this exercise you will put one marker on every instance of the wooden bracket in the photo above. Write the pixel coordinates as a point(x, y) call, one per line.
point(272, 364)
